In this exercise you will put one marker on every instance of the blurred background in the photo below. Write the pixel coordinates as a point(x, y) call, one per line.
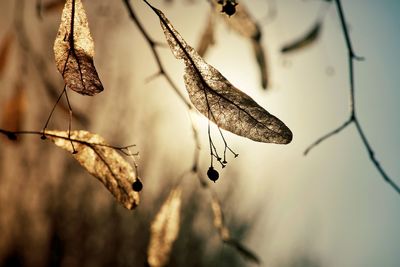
point(330, 208)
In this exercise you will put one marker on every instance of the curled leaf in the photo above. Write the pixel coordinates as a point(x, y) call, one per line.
point(5, 47)
point(306, 40)
point(101, 161)
point(74, 51)
point(14, 110)
point(164, 230)
point(207, 38)
point(217, 99)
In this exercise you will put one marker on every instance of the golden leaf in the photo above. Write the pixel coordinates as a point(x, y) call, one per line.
point(14, 110)
point(219, 219)
point(217, 99)
point(74, 51)
point(306, 40)
point(164, 230)
point(101, 161)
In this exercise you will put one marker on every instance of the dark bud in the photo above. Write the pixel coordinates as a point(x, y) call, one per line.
point(212, 174)
point(137, 186)
point(75, 152)
point(43, 137)
point(229, 8)
point(12, 136)
point(224, 162)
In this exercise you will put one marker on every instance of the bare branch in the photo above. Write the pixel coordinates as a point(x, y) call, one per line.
point(353, 117)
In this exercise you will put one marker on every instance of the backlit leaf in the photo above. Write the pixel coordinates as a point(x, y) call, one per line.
point(245, 25)
point(219, 219)
point(306, 40)
point(74, 51)
point(5, 47)
point(217, 99)
point(207, 38)
point(14, 110)
point(164, 230)
point(102, 161)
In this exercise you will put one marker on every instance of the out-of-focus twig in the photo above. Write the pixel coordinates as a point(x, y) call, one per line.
point(353, 115)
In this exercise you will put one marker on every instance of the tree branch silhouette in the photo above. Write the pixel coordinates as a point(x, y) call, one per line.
point(353, 115)
point(152, 44)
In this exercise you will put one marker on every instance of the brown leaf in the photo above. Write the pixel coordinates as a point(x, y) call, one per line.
point(224, 233)
point(306, 40)
point(217, 99)
point(164, 230)
point(74, 51)
point(5, 48)
point(14, 110)
point(101, 161)
point(261, 61)
point(245, 25)
point(219, 219)
point(242, 22)
point(207, 38)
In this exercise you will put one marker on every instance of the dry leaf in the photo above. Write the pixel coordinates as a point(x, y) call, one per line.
point(309, 38)
point(5, 47)
point(224, 233)
point(14, 110)
point(102, 161)
point(244, 24)
point(74, 51)
point(164, 230)
point(217, 99)
point(261, 61)
point(207, 38)
point(219, 219)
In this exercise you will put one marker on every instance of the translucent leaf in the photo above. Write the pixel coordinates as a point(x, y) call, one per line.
point(306, 40)
point(242, 22)
point(14, 110)
point(207, 38)
point(219, 219)
point(164, 230)
point(245, 25)
point(102, 161)
point(5, 47)
point(217, 99)
point(74, 51)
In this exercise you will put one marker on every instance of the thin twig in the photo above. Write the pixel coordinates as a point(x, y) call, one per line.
point(152, 44)
point(353, 116)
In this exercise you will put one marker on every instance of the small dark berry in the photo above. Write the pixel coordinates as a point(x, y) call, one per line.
point(43, 137)
point(212, 174)
point(229, 8)
point(137, 186)
point(75, 152)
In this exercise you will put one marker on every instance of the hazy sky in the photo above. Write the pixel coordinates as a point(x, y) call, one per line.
point(332, 205)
